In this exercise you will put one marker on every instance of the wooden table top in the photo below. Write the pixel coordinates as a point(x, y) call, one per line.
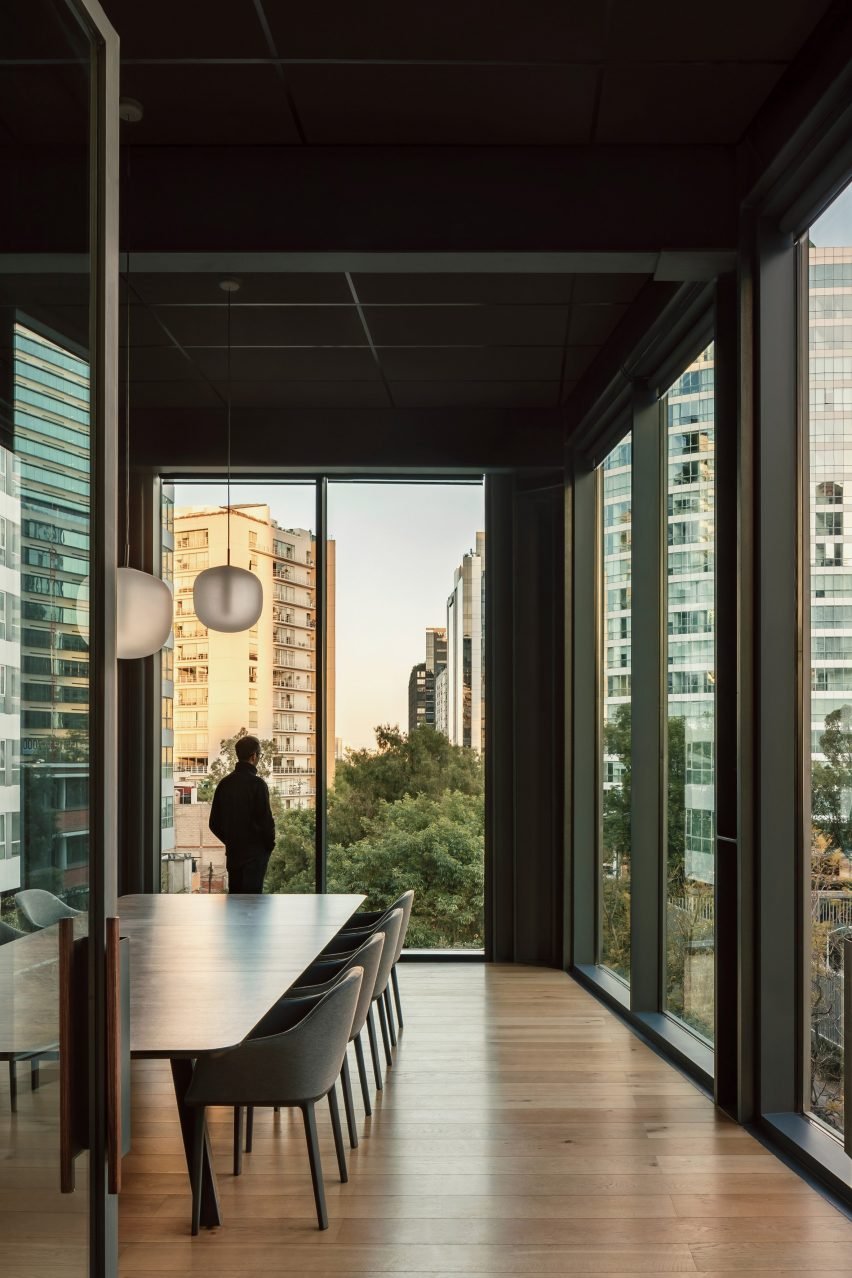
point(204, 969)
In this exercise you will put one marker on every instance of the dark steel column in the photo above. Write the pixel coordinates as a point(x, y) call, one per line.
point(321, 690)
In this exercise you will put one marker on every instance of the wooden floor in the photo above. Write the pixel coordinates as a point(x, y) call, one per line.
point(523, 1130)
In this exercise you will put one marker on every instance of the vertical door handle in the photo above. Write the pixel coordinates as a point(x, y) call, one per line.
point(68, 1148)
point(113, 1054)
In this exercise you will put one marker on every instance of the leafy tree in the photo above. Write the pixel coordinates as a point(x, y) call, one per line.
point(831, 783)
point(431, 844)
point(227, 761)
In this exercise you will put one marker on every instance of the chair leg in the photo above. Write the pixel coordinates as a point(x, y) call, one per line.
point(349, 1104)
point(383, 1022)
point(34, 1075)
point(338, 1135)
point(238, 1139)
point(388, 1008)
point(249, 1127)
point(374, 1048)
point(362, 1074)
point(13, 1087)
point(316, 1166)
point(197, 1166)
point(395, 980)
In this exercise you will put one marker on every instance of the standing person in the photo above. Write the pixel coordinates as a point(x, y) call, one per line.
point(240, 816)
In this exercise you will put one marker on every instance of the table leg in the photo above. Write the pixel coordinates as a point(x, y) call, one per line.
point(211, 1214)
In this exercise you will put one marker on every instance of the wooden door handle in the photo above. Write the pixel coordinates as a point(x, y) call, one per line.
point(113, 1050)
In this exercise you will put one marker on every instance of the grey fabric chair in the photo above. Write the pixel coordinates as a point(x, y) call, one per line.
point(368, 956)
point(41, 909)
point(361, 924)
point(7, 934)
point(291, 1058)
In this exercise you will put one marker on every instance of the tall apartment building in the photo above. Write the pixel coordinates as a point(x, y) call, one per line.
point(263, 679)
point(167, 678)
point(830, 393)
point(44, 673)
point(460, 687)
point(690, 597)
point(421, 683)
point(421, 697)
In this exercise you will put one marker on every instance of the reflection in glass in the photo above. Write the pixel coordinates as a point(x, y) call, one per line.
point(829, 856)
point(690, 697)
point(616, 509)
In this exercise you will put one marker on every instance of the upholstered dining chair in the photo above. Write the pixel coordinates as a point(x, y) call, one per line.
point(290, 1059)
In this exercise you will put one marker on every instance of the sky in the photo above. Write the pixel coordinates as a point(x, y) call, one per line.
point(834, 228)
point(397, 548)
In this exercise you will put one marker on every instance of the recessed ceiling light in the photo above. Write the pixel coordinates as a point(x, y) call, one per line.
point(130, 110)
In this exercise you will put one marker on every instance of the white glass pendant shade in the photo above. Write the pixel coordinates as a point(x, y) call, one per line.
point(144, 611)
point(227, 598)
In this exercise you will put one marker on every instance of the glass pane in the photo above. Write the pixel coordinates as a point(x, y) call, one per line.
point(690, 648)
point(830, 500)
point(260, 682)
point(406, 807)
point(616, 593)
point(45, 487)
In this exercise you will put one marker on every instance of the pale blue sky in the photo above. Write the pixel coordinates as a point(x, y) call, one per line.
point(834, 228)
point(398, 546)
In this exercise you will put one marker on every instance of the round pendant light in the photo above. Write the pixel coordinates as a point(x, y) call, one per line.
point(144, 610)
point(227, 598)
point(144, 606)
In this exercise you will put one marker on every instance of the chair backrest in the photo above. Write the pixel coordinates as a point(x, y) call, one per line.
point(369, 957)
point(290, 1068)
point(9, 933)
point(390, 927)
point(404, 903)
point(41, 909)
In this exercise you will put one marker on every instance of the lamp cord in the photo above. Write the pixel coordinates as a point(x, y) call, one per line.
point(229, 428)
point(127, 418)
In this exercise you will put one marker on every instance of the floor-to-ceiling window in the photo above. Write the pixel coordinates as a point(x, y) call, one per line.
point(406, 798)
point(385, 693)
point(690, 663)
point(615, 506)
point(829, 749)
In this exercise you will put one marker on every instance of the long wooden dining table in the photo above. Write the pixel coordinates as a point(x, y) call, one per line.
point(205, 969)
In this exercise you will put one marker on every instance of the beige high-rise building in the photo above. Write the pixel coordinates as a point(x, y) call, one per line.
point(263, 679)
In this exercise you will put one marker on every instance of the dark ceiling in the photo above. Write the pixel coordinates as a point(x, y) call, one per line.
point(540, 74)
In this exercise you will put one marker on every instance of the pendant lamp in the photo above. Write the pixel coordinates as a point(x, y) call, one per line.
point(144, 606)
point(228, 598)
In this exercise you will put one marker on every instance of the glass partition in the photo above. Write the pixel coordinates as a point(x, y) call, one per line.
point(616, 507)
point(829, 749)
point(690, 648)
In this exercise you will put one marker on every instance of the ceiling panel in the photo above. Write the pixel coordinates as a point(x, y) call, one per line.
point(478, 325)
point(433, 105)
point(445, 29)
point(440, 287)
point(187, 394)
point(591, 325)
point(189, 104)
point(475, 394)
point(44, 106)
point(297, 326)
point(729, 30)
point(320, 394)
point(254, 288)
point(310, 364)
point(472, 363)
point(608, 288)
point(188, 29)
point(682, 104)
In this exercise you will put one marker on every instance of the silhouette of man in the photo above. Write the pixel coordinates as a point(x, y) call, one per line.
point(240, 816)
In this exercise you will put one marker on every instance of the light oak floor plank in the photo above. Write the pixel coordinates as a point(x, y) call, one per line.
point(523, 1131)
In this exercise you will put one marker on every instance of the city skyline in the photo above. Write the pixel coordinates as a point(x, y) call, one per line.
point(397, 547)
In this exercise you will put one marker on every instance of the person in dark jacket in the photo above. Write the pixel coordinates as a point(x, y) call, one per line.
point(241, 817)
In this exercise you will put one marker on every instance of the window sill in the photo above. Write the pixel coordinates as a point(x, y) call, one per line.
point(686, 1051)
point(442, 956)
point(820, 1155)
